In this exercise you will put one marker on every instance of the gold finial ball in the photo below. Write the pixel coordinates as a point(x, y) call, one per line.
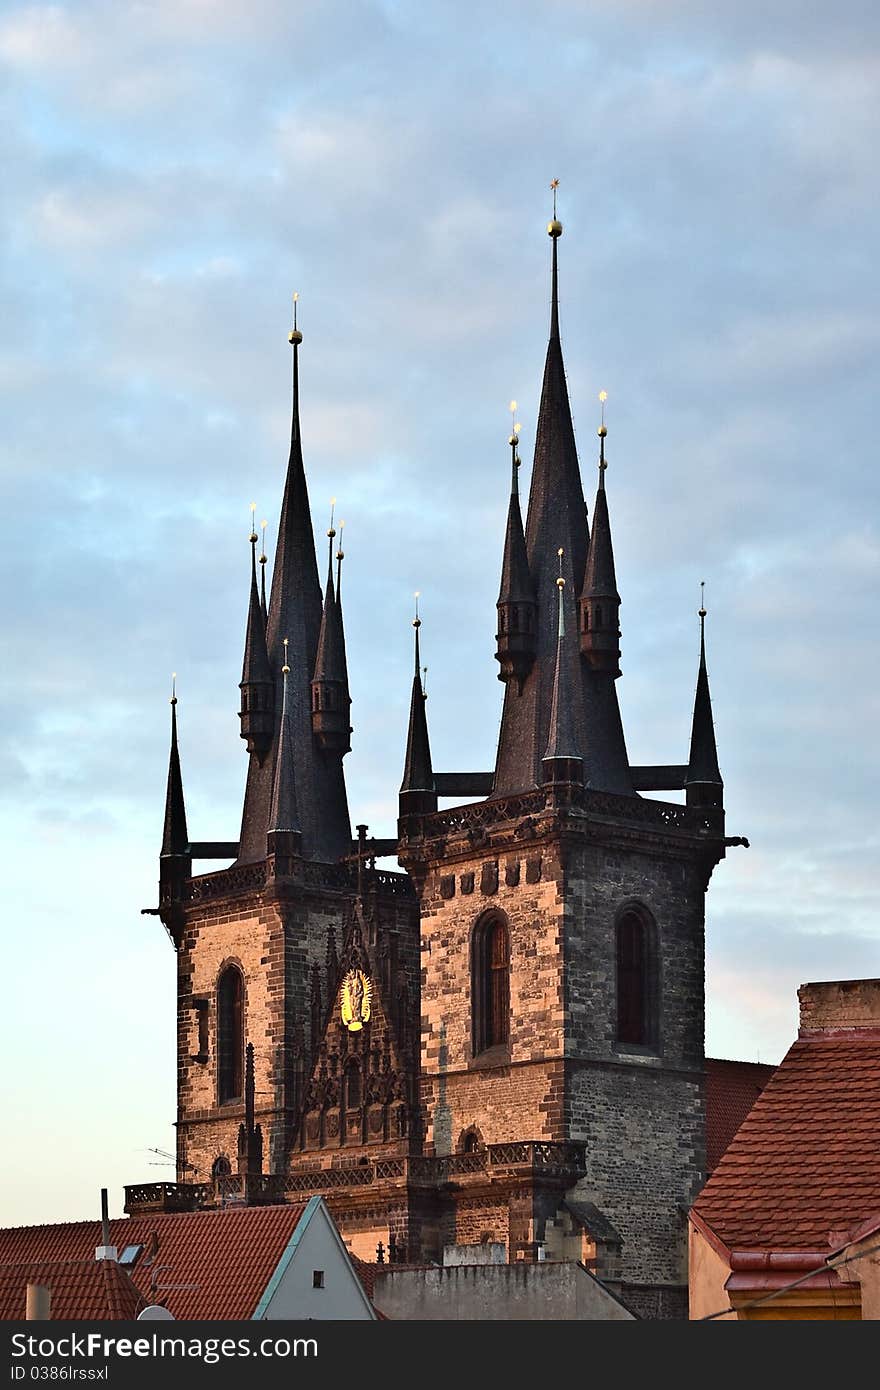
point(417, 622)
point(253, 538)
point(702, 613)
point(513, 441)
point(554, 228)
point(263, 559)
point(340, 554)
point(285, 670)
point(560, 583)
point(331, 533)
point(602, 431)
point(294, 336)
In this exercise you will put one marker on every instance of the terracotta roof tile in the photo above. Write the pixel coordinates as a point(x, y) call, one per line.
point(87, 1290)
point(731, 1090)
point(209, 1264)
point(805, 1160)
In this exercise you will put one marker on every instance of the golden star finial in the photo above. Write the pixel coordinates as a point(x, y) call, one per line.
point(554, 184)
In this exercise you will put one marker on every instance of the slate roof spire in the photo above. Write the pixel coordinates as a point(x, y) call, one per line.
point(330, 698)
point(175, 839)
point(263, 562)
point(600, 601)
point(703, 785)
point(562, 760)
point(257, 683)
point(295, 612)
point(516, 606)
point(283, 816)
point(417, 791)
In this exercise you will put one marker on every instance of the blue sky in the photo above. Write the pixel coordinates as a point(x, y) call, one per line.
point(171, 172)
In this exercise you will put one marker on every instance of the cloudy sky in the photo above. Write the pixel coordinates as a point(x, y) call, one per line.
point(171, 170)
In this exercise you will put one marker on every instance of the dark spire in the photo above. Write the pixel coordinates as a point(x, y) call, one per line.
point(562, 761)
point(330, 698)
point(417, 788)
point(295, 612)
point(175, 839)
point(517, 610)
point(283, 809)
point(703, 785)
point(250, 1134)
point(263, 562)
point(257, 683)
point(600, 601)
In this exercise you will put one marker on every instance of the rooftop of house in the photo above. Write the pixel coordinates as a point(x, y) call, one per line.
point(82, 1290)
point(804, 1162)
point(200, 1265)
point(731, 1090)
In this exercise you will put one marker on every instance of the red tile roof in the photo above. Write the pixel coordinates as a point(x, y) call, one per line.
point(731, 1090)
point(87, 1290)
point(806, 1160)
point(209, 1264)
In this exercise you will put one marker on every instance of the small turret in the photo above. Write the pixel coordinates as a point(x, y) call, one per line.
point(703, 784)
point(257, 712)
point(417, 790)
point(330, 697)
point(516, 638)
point(175, 862)
point(599, 606)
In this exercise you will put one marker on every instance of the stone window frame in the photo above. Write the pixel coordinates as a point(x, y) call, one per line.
point(485, 1050)
point(227, 967)
point(650, 1042)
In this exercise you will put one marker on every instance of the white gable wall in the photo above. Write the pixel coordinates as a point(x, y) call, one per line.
point(315, 1245)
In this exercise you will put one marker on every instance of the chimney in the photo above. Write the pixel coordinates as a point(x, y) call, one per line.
point(839, 1006)
point(39, 1303)
point(105, 1251)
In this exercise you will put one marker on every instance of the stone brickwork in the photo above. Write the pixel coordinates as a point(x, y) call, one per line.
point(840, 1004)
point(280, 938)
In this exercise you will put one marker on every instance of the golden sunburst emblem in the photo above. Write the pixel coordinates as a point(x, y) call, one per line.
point(357, 994)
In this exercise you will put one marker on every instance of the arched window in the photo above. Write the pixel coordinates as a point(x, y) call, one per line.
point(636, 978)
point(490, 983)
point(221, 1167)
point(230, 1034)
point(352, 1086)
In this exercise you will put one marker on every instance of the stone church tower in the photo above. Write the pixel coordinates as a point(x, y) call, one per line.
point(504, 1043)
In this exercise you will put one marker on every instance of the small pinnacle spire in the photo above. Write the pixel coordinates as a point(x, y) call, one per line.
point(703, 785)
point(418, 773)
point(256, 711)
point(283, 813)
point(340, 556)
point(175, 839)
point(263, 562)
point(602, 433)
point(330, 698)
point(554, 231)
point(515, 460)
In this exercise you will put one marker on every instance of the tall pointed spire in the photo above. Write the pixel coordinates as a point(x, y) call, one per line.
point(703, 785)
point(600, 601)
point(517, 609)
point(175, 839)
point(295, 612)
point(257, 683)
point(562, 761)
point(330, 698)
point(417, 791)
point(283, 816)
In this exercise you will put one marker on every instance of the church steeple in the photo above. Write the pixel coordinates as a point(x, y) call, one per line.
point(257, 683)
point(295, 613)
point(330, 698)
point(703, 784)
point(417, 792)
point(517, 610)
point(600, 601)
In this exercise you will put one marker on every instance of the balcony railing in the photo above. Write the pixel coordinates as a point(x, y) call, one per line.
point(497, 1160)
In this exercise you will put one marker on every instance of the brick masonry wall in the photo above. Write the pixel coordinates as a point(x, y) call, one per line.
point(840, 1004)
point(517, 1100)
point(640, 1111)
